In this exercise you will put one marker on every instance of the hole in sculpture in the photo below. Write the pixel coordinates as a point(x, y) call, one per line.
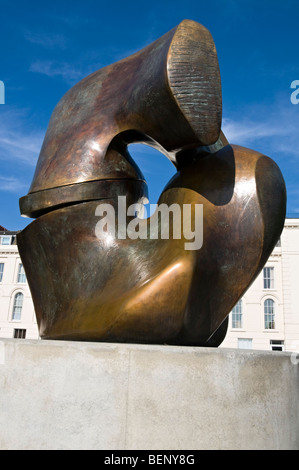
point(156, 168)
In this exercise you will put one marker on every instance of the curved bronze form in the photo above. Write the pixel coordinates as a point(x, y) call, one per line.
point(151, 290)
point(168, 95)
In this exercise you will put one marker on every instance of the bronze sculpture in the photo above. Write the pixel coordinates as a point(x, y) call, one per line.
point(147, 290)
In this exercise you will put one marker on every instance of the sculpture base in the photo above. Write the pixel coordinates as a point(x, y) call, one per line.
point(73, 395)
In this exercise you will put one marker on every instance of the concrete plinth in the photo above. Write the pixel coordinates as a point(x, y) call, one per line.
point(71, 395)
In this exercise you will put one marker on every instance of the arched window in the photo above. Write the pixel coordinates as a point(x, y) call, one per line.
point(237, 316)
point(269, 314)
point(17, 306)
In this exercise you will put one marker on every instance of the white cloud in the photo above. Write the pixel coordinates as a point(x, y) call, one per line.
point(17, 144)
point(273, 131)
point(12, 184)
point(266, 128)
point(247, 131)
point(47, 40)
point(68, 72)
point(75, 21)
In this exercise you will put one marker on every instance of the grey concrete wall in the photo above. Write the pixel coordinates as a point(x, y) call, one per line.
point(71, 395)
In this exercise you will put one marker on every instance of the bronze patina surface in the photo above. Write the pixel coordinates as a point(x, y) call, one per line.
point(144, 289)
point(168, 95)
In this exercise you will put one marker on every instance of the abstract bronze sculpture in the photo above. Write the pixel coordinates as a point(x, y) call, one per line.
point(147, 290)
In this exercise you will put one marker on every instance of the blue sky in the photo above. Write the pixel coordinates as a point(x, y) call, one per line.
point(46, 47)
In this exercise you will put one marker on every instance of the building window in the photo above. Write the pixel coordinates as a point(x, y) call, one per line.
point(237, 317)
point(269, 314)
point(21, 274)
point(244, 343)
point(17, 306)
point(1, 271)
point(5, 240)
point(269, 278)
point(277, 345)
point(19, 333)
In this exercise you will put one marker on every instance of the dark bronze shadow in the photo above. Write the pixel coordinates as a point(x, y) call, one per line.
point(211, 175)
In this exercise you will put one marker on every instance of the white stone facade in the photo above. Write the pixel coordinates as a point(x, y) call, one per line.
point(266, 319)
point(17, 316)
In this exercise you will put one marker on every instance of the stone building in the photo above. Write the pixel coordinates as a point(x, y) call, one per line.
point(17, 316)
point(267, 317)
